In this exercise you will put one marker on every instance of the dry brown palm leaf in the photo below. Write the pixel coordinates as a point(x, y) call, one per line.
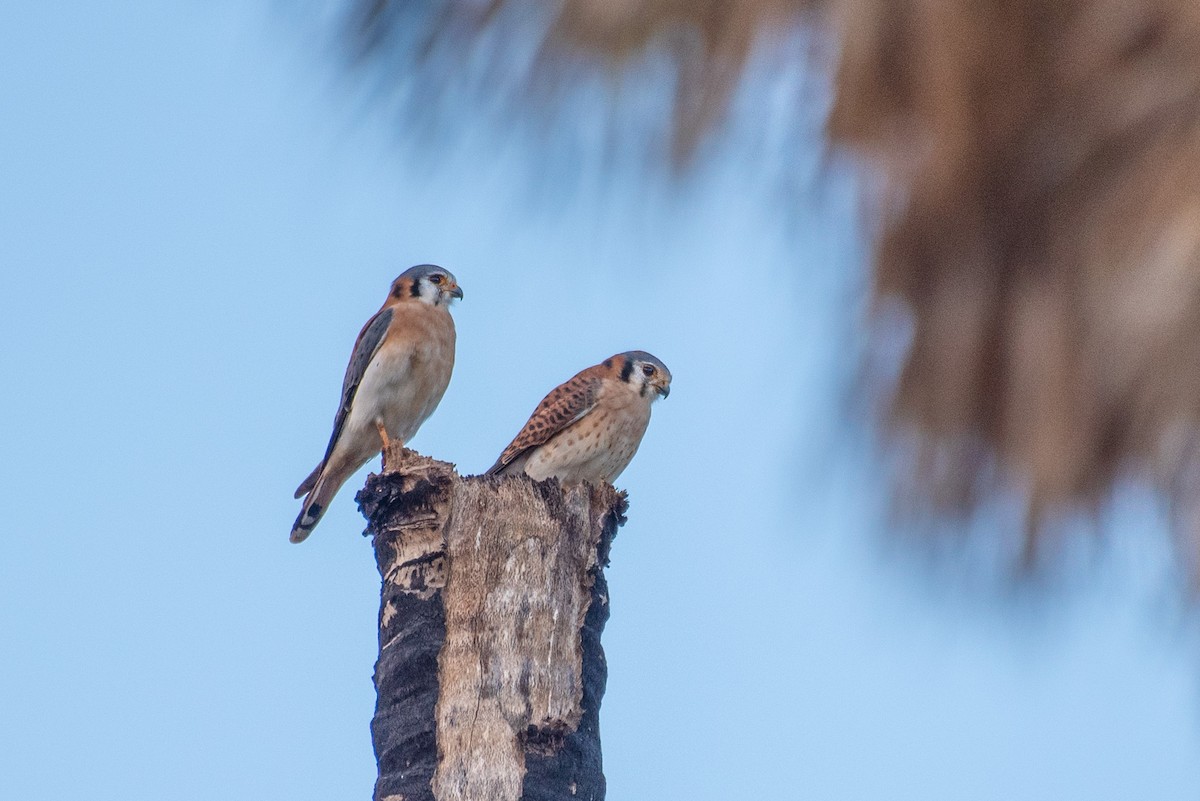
point(1037, 187)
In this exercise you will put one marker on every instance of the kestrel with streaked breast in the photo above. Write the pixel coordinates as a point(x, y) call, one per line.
point(398, 372)
point(589, 428)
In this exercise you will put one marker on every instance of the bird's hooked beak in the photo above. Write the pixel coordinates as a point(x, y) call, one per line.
point(663, 390)
point(455, 292)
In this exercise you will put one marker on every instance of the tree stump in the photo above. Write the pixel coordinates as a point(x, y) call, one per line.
point(490, 670)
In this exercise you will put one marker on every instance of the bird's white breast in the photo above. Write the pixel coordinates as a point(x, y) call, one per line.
point(403, 383)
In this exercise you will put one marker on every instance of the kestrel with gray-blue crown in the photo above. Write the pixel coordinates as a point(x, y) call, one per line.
point(589, 428)
point(398, 372)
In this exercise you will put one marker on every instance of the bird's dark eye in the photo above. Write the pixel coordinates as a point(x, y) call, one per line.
point(435, 279)
point(648, 369)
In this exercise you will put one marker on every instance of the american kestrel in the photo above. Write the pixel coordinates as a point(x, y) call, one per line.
point(397, 374)
point(589, 428)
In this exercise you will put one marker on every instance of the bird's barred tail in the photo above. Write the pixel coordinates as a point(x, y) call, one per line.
point(307, 484)
point(315, 504)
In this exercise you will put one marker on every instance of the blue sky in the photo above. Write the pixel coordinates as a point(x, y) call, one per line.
point(195, 221)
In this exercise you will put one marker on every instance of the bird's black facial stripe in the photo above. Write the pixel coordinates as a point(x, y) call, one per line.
point(416, 288)
point(627, 369)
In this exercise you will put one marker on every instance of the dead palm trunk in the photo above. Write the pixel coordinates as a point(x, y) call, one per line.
point(490, 669)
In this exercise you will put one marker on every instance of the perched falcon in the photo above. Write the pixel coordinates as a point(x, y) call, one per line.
point(589, 428)
point(397, 374)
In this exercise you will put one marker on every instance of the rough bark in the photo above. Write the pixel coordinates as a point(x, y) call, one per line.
point(490, 670)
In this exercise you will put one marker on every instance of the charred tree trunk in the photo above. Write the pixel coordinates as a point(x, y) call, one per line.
point(490, 670)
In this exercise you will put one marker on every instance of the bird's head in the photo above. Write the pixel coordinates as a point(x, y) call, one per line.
point(427, 283)
point(644, 372)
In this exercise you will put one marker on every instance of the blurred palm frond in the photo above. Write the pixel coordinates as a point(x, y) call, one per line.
point(708, 42)
point(1034, 192)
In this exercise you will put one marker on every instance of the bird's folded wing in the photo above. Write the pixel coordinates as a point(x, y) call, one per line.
point(564, 406)
point(369, 340)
